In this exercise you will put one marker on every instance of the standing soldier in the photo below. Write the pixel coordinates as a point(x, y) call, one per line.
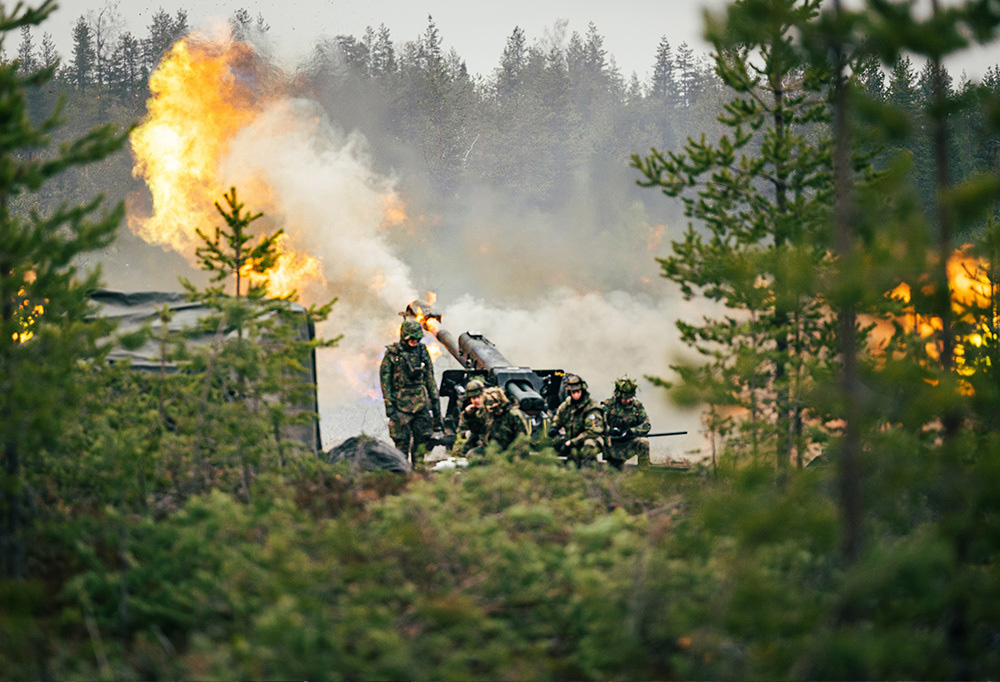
point(411, 398)
point(627, 424)
point(581, 422)
point(471, 422)
point(504, 420)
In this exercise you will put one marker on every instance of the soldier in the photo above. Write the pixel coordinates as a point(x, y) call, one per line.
point(411, 398)
point(581, 422)
point(627, 422)
point(471, 422)
point(504, 420)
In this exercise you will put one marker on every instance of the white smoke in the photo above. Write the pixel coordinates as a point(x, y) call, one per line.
point(331, 203)
point(326, 196)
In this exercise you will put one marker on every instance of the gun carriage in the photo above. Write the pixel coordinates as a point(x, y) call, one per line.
point(537, 392)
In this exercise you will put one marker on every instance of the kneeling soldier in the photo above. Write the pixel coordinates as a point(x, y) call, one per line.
point(504, 420)
point(581, 422)
point(627, 423)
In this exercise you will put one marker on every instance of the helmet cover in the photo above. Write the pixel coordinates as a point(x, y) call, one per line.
point(494, 399)
point(575, 383)
point(625, 387)
point(410, 329)
point(474, 387)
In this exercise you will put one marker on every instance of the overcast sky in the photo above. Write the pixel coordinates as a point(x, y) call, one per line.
point(477, 30)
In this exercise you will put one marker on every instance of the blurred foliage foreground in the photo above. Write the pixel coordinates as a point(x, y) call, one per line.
point(520, 569)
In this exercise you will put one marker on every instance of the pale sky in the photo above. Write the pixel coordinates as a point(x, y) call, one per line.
point(477, 30)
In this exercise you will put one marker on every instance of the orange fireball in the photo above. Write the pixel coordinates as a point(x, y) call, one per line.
point(203, 94)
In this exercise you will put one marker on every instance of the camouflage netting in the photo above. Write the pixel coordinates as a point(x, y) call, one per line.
point(132, 310)
point(370, 454)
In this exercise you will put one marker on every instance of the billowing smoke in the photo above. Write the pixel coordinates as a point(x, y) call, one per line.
point(326, 197)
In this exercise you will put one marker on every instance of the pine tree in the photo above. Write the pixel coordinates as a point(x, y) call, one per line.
point(81, 69)
point(43, 297)
point(512, 63)
point(868, 73)
point(687, 77)
point(664, 85)
point(26, 51)
point(383, 56)
point(50, 56)
point(164, 31)
point(902, 89)
point(250, 380)
point(127, 72)
point(762, 195)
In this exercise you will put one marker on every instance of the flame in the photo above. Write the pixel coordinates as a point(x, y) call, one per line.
point(429, 322)
point(203, 93)
point(290, 271)
point(27, 313)
point(972, 295)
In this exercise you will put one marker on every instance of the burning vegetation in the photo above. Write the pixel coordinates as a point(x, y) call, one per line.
point(975, 296)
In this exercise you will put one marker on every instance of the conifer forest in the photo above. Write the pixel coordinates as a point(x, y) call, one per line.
point(790, 243)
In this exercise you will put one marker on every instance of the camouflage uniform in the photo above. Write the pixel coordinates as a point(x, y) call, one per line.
point(582, 422)
point(504, 420)
point(471, 421)
point(411, 398)
point(624, 414)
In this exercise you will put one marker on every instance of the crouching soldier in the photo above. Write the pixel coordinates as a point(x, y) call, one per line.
point(627, 423)
point(504, 420)
point(471, 421)
point(411, 398)
point(578, 425)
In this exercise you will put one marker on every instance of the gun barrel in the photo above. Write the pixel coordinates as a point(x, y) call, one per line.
point(474, 352)
point(446, 339)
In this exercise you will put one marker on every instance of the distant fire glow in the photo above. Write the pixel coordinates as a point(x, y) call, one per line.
point(973, 301)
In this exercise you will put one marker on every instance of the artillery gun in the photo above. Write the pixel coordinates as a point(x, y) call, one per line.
point(537, 392)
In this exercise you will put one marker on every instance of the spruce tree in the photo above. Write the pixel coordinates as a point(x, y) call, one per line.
point(44, 333)
point(81, 69)
point(664, 85)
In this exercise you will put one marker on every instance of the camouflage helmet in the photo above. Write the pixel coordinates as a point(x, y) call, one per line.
point(474, 387)
point(575, 383)
point(410, 329)
point(494, 399)
point(625, 387)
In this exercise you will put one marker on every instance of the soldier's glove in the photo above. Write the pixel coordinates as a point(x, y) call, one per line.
point(618, 434)
point(553, 432)
point(564, 447)
point(391, 413)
